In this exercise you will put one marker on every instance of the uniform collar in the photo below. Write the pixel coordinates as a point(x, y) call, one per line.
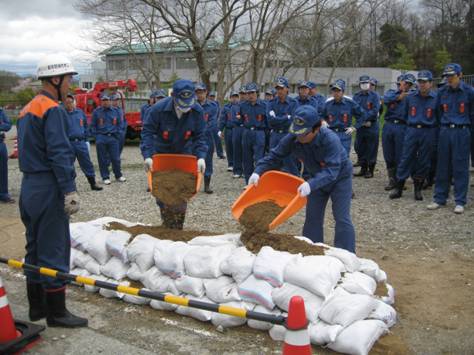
point(430, 94)
point(47, 94)
point(287, 99)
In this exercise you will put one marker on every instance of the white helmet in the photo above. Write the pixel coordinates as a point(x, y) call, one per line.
point(54, 65)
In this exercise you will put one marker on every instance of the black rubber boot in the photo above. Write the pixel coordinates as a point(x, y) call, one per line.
point(36, 300)
point(370, 171)
point(363, 169)
point(207, 183)
point(93, 184)
point(398, 191)
point(391, 179)
point(58, 315)
point(418, 185)
point(429, 181)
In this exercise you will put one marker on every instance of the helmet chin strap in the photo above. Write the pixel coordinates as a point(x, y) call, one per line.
point(58, 86)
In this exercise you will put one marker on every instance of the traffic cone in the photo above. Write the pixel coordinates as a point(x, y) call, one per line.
point(14, 335)
point(296, 337)
point(14, 155)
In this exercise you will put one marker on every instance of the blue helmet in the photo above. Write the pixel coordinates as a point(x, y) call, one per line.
point(452, 69)
point(399, 78)
point(242, 90)
point(303, 84)
point(160, 93)
point(251, 87)
point(425, 75)
point(311, 84)
point(234, 93)
point(373, 81)
point(281, 82)
point(409, 78)
point(304, 119)
point(115, 96)
point(269, 92)
point(364, 79)
point(104, 97)
point(200, 86)
point(183, 93)
point(338, 84)
point(213, 94)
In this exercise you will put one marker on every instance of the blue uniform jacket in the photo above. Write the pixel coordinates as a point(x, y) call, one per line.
point(456, 106)
point(106, 121)
point(395, 109)
point(229, 116)
point(78, 128)
point(339, 114)
point(123, 126)
point(310, 100)
point(369, 101)
point(210, 114)
point(422, 110)
point(324, 157)
point(321, 100)
point(143, 111)
point(282, 113)
point(254, 115)
point(5, 124)
point(163, 132)
point(43, 142)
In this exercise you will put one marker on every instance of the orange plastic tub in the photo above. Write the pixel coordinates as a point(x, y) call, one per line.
point(164, 162)
point(277, 186)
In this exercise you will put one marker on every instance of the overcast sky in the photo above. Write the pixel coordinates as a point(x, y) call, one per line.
point(29, 29)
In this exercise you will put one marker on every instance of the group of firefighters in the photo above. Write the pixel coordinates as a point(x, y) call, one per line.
point(309, 136)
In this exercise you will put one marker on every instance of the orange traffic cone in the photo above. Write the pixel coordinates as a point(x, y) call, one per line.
point(14, 155)
point(296, 337)
point(14, 335)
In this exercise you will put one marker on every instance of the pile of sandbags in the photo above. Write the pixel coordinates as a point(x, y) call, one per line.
point(338, 287)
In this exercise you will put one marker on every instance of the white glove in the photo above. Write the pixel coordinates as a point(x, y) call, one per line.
point(88, 147)
point(324, 123)
point(289, 117)
point(148, 164)
point(350, 130)
point(201, 165)
point(253, 180)
point(219, 134)
point(71, 203)
point(272, 113)
point(304, 189)
point(367, 124)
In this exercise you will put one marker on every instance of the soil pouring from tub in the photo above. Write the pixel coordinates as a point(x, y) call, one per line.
point(173, 187)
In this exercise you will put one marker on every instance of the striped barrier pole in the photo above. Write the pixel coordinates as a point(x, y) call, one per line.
point(181, 301)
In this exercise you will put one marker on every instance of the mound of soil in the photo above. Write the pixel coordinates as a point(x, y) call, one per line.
point(173, 187)
point(381, 290)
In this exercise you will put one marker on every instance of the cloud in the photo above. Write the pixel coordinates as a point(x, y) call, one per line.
point(43, 8)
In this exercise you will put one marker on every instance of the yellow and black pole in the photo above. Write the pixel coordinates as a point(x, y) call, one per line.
point(181, 301)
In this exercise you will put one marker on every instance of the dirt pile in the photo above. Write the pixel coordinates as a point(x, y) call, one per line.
point(173, 187)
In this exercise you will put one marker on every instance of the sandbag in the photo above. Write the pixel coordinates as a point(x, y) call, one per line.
point(350, 260)
point(304, 239)
point(347, 309)
point(115, 268)
point(190, 285)
point(81, 259)
point(205, 261)
point(389, 298)
point(169, 257)
point(81, 233)
point(322, 333)
point(134, 273)
point(239, 264)
point(93, 267)
point(140, 251)
point(282, 295)
point(97, 247)
point(269, 265)
point(385, 313)
point(317, 274)
point(216, 240)
point(225, 321)
point(257, 291)
point(108, 293)
point(358, 282)
point(221, 290)
point(199, 314)
point(163, 306)
point(261, 325)
point(159, 282)
point(277, 332)
point(359, 337)
point(116, 244)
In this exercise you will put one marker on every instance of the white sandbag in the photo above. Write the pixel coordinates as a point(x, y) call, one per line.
point(190, 285)
point(322, 333)
point(369, 267)
point(359, 337)
point(347, 309)
point(79, 272)
point(239, 264)
point(304, 239)
point(163, 306)
point(282, 295)
point(381, 276)
point(270, 265)
point(199, 314)
point(114, 268)
point(81, 259)
point(257, 291)
point(81, 233)
point(116, 244)
point(140, 251)
point(138, 300)
point(385, 313)
point(225, 321)
point(108, 293)
point(317, 274)
point(134, 273)
point(221, 290)
point(93, 267)
point(205, 261)
point(261, 325)
point(155, 280)
point(277, 332)
point(105, 221)
point(97, 247)
point(358, 282)
point(168, 257)
point(216, 240)
point(92, 289)
point(389, 298)
point(350, 260)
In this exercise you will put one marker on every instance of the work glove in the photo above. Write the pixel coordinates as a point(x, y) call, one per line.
point(304, 189)
point(201, 165)
point(253, 180)
point(88, 147)
point(350, 130)
point(219, 134)
point(324, 123)
point(272, 113)
point(367, 124)
point(71, 203)
point(148, 164)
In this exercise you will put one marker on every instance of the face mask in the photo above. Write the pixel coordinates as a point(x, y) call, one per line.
point(365, 86)
point(181, 111)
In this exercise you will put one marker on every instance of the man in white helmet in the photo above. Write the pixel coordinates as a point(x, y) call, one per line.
point(48, 191)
